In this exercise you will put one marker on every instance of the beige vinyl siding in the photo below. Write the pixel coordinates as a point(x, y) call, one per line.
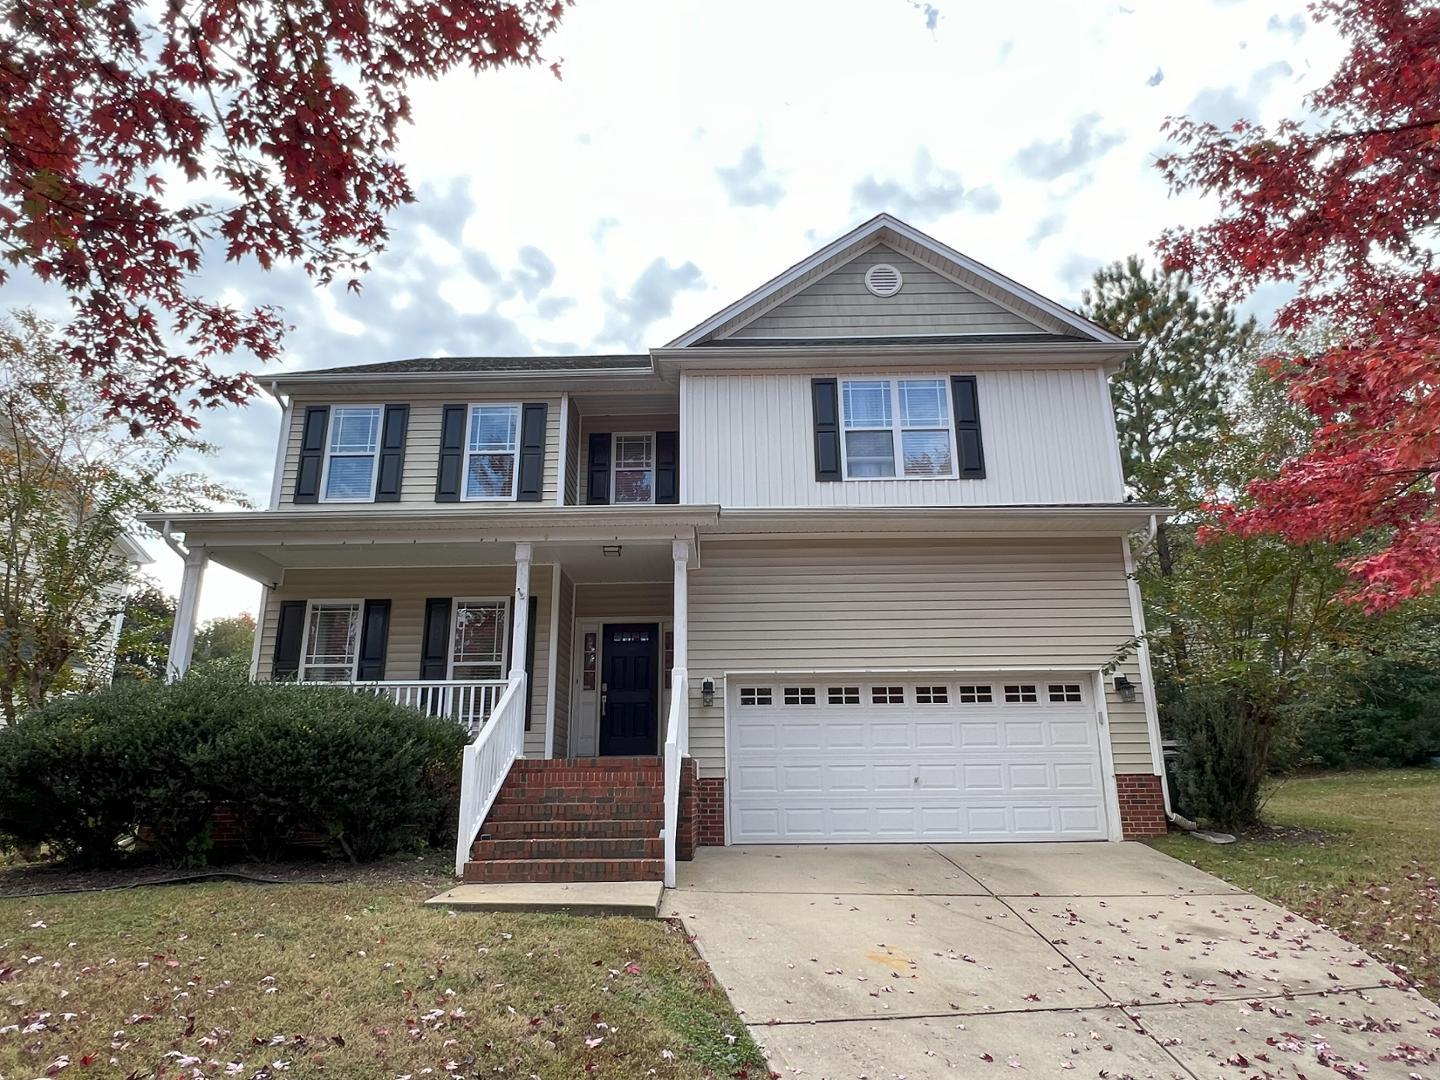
point(804, 605)
point(618, 600)
point(611, 425)
point(564, 660)
point(839, 305)
point(407, 590)
point(422, 447)
point(750, 441)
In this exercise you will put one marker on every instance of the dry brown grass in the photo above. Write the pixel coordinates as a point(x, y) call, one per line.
point(231, 979)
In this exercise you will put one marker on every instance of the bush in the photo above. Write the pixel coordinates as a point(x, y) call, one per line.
point(1225, 731)
point(1385, 715)
point(86, 774)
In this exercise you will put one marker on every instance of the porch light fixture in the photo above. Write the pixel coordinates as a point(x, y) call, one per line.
point(610, 551)
point(1125, 688)
point(707, 692)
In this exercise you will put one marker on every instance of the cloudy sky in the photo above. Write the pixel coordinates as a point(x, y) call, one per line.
point(693, 150)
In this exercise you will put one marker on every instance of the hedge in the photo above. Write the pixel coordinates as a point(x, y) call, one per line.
point(91, 775)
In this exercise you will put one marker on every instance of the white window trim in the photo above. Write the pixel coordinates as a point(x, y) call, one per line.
point(465, 495)
point(615, 462)
point(310, 606)
point(895, 428)
point(455, 604)
point(374, 462)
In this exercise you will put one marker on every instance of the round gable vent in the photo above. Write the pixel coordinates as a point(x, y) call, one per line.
point(882, 279)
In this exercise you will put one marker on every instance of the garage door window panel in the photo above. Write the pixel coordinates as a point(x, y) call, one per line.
point(1021, 694)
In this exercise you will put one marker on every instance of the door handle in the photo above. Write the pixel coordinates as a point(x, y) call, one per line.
point(603, 697)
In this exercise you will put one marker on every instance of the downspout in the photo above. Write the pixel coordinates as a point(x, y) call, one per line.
point(173, 544)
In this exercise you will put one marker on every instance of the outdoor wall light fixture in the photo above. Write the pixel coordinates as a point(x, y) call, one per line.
point(1125, 688)
point(611, 551)
point(707, 692)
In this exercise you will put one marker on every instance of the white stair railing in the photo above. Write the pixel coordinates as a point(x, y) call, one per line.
point(487, 762)
point(677, 745)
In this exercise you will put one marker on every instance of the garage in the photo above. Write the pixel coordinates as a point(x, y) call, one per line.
point(999, 757)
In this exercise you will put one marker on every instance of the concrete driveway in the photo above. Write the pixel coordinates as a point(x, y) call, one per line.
point(1098, 960)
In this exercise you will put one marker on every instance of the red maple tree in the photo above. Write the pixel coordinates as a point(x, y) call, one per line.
point(1344, 204)
point(134, 134)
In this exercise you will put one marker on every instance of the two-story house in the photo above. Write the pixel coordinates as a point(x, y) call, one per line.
point(852, 556)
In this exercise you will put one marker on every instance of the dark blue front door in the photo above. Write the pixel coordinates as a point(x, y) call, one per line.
point(630, 690)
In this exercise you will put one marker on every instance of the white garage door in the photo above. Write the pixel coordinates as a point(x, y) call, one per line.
point(977, 758)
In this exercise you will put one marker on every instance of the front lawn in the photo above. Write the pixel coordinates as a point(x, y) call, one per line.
point(243, 980)
point(1358, 852)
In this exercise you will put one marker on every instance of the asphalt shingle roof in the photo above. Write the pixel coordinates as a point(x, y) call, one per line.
point(459, 365)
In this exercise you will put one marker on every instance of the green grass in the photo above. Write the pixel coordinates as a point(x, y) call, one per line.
point(1358, 852)
point(351, 980)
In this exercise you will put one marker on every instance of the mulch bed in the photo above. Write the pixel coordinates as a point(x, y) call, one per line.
point(43, 878)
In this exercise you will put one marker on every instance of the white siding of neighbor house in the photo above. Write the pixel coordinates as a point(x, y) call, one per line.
point(839, 305)
point(749, 440)
point(798, 605)
point(407, 590)
point(422, 447)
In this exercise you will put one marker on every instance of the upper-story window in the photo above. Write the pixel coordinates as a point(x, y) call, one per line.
point(897, 428)
point(491, 448)
point(332, 641)
point(633, 464)
point(351, 452)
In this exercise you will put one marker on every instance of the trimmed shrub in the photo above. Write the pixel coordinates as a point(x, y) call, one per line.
point(1225, 732)
point(89, 773)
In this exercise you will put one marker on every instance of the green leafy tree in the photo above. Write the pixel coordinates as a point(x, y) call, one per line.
point(144, 639)
point(1171, 392)
point(228, 639)
point(72, 480)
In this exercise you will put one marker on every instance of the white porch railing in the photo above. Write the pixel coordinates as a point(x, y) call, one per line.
point(677, 745)
point(467, 702)
point(487, 762)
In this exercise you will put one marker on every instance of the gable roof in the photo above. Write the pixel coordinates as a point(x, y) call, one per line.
point(461, 365)
point(1045, 315)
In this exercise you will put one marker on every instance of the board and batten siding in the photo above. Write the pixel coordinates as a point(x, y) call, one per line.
point(834, 606)
point(749, 441)
point(422, 447)
point(839, 305)
point(407, 590)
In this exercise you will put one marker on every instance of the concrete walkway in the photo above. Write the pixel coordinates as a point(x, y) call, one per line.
point(1086, 960)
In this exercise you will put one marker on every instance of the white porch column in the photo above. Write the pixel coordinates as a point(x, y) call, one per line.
point(520, 640)
point(680, 552)
point(182, 637)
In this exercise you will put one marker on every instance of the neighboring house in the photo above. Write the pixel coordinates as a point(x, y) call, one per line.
point(854, 548)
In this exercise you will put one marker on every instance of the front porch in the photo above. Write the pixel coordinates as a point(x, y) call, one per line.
point(566, 646)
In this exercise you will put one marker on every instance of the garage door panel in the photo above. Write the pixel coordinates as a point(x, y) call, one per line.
point(867, 763)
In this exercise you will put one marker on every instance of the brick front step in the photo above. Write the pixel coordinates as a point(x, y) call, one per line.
point(557, 829)
point(591, 766)
point(590, 810)
point(574, 847)
point(544, 795)
point(485, 873)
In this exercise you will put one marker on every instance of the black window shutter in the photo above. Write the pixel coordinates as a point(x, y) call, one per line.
point(392, 452)
point(452, 454)
point(289, 630)
point(825, 397)
point(599, 490)
point(532, 452)
point(533, 614)
point(374, 639)
point(967, 427)
point(312, 454)
point(667, 466)
point(435, 642)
